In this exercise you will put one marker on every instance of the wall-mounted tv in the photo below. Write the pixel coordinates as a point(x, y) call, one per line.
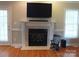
point(39, 10)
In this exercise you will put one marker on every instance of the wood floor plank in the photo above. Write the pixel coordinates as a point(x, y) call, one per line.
point(8, 51)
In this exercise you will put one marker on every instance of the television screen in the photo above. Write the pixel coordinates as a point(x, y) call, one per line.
point(39, 10)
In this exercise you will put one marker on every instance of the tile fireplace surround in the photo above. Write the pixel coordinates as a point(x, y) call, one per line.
point(25, 26)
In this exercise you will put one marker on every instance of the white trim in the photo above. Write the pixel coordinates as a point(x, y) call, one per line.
point(9, 24)
point(16, 45)
point(5, 44)
point(59, 30)
point(16, 29)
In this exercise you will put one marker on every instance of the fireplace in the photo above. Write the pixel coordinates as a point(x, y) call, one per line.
point(37, 37)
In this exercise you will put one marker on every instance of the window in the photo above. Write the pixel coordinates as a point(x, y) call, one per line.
point(71, 25)
point(3, 26)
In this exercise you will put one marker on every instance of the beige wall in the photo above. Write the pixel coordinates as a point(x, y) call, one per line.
point(18, 14)
point(59, 14)
point(6, 6)
point(19, 11)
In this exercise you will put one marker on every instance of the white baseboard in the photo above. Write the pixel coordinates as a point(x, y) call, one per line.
point(16, 45)
point(74, 45)
point(5, 44)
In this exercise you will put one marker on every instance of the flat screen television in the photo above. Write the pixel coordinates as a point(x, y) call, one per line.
point(39, 10)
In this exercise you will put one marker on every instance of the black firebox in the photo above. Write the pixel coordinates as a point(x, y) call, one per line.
point(38, 37)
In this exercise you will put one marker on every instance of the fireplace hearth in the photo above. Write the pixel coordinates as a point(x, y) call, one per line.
point(37, 37)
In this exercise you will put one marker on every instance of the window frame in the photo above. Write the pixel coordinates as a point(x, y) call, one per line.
point(65, 22)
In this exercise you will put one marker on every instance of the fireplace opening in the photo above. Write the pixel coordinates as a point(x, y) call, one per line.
point(38, 37)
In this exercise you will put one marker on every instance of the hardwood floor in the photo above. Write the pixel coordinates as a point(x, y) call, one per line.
point(8, 51)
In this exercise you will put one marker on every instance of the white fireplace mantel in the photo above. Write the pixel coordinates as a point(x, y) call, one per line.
point(36, 25)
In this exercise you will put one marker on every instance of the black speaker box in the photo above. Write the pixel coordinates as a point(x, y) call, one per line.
point(63, 43)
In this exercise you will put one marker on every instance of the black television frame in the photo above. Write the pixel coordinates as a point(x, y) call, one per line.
point(39, 10)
